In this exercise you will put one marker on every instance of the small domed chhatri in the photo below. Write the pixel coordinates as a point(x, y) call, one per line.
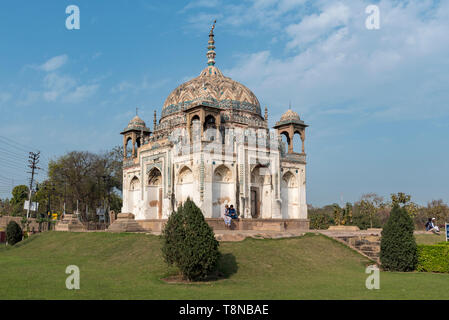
point(212, 144)
point(136, 122)
point(290, 115)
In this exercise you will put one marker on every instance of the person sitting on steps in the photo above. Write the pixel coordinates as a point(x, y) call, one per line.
point(226, 217)
point(232, 212)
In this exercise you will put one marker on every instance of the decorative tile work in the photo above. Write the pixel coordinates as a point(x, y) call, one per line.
point(211, 85)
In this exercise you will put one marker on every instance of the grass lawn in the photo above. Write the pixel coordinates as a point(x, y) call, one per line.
point(130, 266)
point(430, 238)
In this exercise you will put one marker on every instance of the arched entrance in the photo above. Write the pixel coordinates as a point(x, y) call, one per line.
point(133, 195)
point(222, 190)
point(184, 186)
point(289, 195)
point(155, 193)
point(260, 191)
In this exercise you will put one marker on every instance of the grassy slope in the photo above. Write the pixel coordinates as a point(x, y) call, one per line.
point(430, 238)
point(129, 266)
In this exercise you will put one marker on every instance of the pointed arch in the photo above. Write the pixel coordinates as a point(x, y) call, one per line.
point(133, 195)
point(154, 194)
point(185, 175)
point(184, 185)
point(154, 177)
point(223, 190)
point(222, 174)
point(134, 184)
point(289, 195)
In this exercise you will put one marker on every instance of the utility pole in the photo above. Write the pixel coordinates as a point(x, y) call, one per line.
point(33, 160)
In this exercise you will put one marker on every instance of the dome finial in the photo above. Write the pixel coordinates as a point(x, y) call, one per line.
point(211, 53)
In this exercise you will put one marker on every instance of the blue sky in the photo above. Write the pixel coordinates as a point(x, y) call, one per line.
point(377, 101)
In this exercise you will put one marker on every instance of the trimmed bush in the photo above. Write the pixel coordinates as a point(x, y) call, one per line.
point(398, 250)
point(433, 258)
point(189, 243)
point(13, 233)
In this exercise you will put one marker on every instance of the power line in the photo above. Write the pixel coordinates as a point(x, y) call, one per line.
point(13, 167)
point(12, 153)
point(17, 144)
point(11, 145)
point(12, 160)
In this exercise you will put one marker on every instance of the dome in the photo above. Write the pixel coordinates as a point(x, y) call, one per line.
point(136, 122)
point(213, 86)
point(290, 115)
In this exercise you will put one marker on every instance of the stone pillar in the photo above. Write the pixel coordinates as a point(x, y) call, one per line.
point(303, 138)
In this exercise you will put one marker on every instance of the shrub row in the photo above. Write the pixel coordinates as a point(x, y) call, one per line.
point(433, 258)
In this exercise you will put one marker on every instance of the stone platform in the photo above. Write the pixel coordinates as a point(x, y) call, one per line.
point(71, 223)
point(230, 235)
point(125, 223)
point(278, 225)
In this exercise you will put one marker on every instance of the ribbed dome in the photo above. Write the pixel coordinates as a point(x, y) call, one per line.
point(290, 115)
point(212, 85)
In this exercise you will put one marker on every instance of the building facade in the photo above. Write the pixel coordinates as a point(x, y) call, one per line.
point(212, 144)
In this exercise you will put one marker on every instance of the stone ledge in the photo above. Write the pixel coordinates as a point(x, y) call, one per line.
point(280, 225)
point(343, 228)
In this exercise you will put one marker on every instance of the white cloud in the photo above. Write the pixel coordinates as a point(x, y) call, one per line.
point(57, 86)
point(201, 4)
point(54, 63)
point(80, 93)
point(392, 73)
point(315, 26)
point(144, 84)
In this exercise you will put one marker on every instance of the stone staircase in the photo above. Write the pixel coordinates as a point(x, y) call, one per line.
point(367, 243)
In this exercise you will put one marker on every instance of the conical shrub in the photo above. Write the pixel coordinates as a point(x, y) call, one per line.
point(398, 250)
point(189, 242)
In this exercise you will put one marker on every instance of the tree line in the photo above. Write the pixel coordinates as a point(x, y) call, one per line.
point(79, 179)
point(372, 211)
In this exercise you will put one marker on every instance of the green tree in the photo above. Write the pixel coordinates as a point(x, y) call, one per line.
point(439, 210)
point(189, 242)
point(401, 198)
point(84, 178)
point(366, 211)
point(398, 250)
point(19, 195)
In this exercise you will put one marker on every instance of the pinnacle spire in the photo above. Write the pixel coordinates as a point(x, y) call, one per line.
point(155, 121)
point(211, 47)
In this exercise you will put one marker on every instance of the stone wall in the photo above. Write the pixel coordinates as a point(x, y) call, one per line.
point(4, 220)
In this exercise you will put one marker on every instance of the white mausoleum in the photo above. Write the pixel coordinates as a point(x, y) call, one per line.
point(212, 144)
